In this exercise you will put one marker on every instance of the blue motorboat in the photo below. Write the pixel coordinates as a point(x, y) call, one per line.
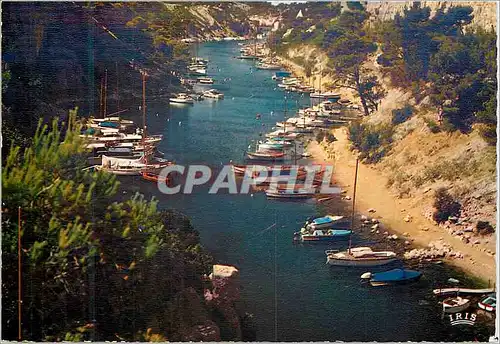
point(328, 221)
point(322, 235)
point(395, 276)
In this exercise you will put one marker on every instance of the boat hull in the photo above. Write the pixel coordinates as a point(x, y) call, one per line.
point(265, 158)
point(485, 307)
point(277, 196)
point(178, 101)
point(455, 309)
point(383, 283)
point(395, 277)
point(322, 238)
point(360, 263)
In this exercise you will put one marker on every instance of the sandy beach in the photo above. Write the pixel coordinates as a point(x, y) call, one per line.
point(373, 193)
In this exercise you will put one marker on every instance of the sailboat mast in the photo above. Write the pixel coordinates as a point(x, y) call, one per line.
point(117, 94)
point(144, 134)
point(19, 273)
point(105, 92)
point(353, 204)
point(284, 119)
point(101, 93)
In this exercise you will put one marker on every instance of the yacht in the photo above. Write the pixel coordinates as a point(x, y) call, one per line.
point(213, 93)
point(181, 98)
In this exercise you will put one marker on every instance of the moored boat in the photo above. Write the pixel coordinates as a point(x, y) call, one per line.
point(213, 93)
point(153, 177)
point(489, 303)
point(289, 193)
point(129, 167)
point(181, 98)
point(206, 80)
point(325, 95)
point(322, 235)
point(392, 277)
point(360, 256)
point(268, 66)
point(455, 304)
point(264, 156)
point(448, 291)
point(327, 221)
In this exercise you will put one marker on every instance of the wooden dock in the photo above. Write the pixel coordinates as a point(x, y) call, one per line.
point(447, 291)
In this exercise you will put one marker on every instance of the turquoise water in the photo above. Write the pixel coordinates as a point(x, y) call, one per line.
point(293, 294)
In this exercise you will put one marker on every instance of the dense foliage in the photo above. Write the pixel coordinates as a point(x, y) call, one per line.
point(439, 58)
point(343, 37)
point(91, 267)
point(348, 46)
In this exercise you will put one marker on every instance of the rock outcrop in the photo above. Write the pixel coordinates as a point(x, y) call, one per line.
point(222, 300)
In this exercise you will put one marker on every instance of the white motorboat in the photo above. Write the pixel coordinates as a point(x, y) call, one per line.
point(213, 93)
point(121, 138)
point(198, 70)
point(327, 221)
point(128, 167)
point(181, 98)
point(205, 80)
point(325, 95)
point(268, 66)
point(360, 256)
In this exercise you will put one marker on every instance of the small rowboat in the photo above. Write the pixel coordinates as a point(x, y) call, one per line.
point(266, 156)
point(153, 177)
point(289, 193)
point(489, 303)
point(455, 304)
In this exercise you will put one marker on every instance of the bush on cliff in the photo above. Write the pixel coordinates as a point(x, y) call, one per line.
point(372, 141)
point(444, 205)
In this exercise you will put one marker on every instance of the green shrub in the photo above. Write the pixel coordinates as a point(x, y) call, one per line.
point(484, 227)
point(372, 141)
point(330, 137)
point(444, 205)
point(447, 126)
point(320, 136)
point(418, 181)
point(401, 115)
point(432, 125)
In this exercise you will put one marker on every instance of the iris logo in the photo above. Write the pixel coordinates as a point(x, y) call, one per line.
point(462, 319)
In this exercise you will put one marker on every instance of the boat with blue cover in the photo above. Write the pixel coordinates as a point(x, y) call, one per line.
point(395, 276)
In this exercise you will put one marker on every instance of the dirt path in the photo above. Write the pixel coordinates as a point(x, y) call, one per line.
point(372, 193)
